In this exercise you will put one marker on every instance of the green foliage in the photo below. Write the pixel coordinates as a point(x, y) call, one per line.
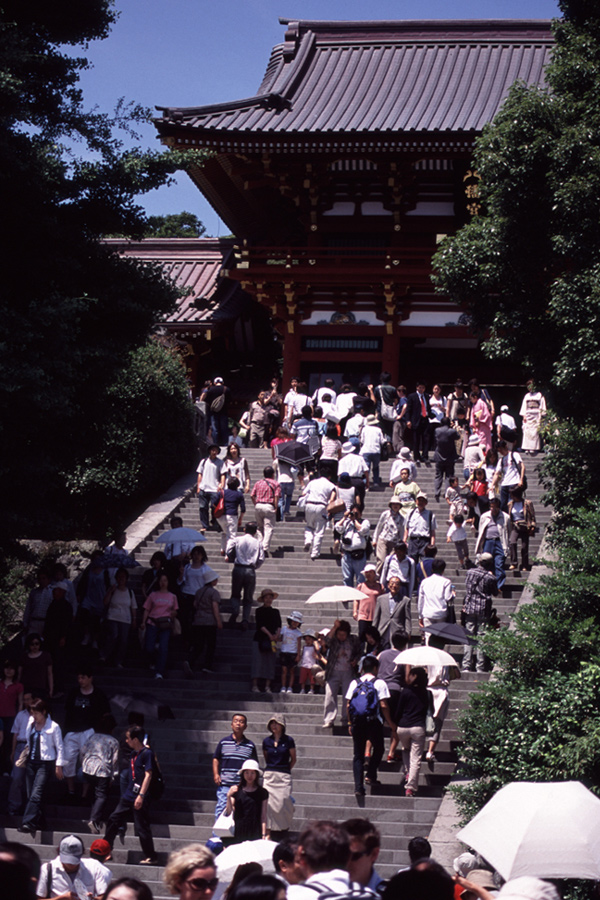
point(529, 271)
point(183, 224)
point(70, 311)
point(140, 440)
point(17, 577)
point(546, 732)
point(570, 471)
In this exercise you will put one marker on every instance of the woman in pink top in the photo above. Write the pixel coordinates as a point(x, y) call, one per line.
point(364, 609)
point(11, 701)
point(480, 420)
point(160, 610)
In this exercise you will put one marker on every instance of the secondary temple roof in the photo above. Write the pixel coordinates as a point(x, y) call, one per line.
point(365, 77)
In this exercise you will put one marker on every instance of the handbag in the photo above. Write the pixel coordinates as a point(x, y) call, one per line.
point(224, 826)
point(176, 626)
point(164, 623)
point(21, 762)
point(219, 509)
point(451, 613)
point(335, 506)
point(429, 717)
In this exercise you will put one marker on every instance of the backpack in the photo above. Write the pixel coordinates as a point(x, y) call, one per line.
point(364, 702)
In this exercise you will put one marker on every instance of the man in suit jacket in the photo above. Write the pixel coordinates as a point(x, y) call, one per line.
point(418, 413)
point(444, 454)
point(392, 613)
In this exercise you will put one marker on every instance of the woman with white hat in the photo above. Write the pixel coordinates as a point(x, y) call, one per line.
point(279, 750)
point(248, 801)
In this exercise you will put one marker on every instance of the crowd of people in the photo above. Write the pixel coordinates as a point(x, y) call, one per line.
point(328, 860)
point(345, 435)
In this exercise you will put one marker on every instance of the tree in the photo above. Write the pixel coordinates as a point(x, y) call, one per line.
point(71, 312)
point(528, 270)
point(183, 224)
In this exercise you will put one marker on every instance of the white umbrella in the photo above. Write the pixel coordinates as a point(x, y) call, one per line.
point(425, 656)
point(337, 593)
point(546, 829)
point(179, 534)
point(248, 851)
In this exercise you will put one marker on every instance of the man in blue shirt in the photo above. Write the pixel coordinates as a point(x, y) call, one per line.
point(135, 796)
point(228, 757)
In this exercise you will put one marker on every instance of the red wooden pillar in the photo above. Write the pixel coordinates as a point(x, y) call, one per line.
point(390, 359)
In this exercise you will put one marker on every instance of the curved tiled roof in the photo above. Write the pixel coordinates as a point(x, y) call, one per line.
point(192, 263)
point(384, 77)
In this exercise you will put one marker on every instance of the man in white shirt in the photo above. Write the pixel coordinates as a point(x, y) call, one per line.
point(247, 555)
point(68, 874)
point(510, 473)
point(288, 401)
point(323, 855)
point(320, 394)
point(420, 528)
point(367, 698)
point(435, 593)
point(356, 467)
point(209, 477)
point(16, 789)
point(371, 442)
point(354, 427)
point(317, 493)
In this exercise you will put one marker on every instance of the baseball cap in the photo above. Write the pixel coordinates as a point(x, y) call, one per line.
point(70, 850)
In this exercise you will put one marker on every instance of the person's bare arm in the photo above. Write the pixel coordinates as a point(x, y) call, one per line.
point(476, 889)
point(139, 800)
point(216, 771)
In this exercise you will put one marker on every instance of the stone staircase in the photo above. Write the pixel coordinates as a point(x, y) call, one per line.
point(323, 784)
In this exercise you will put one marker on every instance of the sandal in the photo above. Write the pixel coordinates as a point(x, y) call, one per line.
point(148, 862)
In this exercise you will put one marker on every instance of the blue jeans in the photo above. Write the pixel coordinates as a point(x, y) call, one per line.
point(373, 459)
point(152, 635)
point(219, 424)
point(37, 775)
point(243, 581)
point(207, 500)
point(495, 548)
point(352, 568)
point(117, 638)
point(285, 500)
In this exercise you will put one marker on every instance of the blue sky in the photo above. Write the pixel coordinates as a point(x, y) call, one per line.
point(192, 52)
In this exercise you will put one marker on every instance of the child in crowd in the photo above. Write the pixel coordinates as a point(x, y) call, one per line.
point(474, 456)
point(479, 485)
point(458, 536)
point(453, 498)
point(290, 651)
point(308, 660)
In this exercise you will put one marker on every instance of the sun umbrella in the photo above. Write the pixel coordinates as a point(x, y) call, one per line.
point(337, 593)
point(143, 703)
point(452, 633)
point(545, 829)
point(248, 851)
point(425, 656)
point(179, 534)
point(293, 452)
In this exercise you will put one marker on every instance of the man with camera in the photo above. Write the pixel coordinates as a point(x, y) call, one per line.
point(354, 531)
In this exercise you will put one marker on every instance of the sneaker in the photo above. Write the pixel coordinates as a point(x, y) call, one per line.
point(327, 725)
point(255, 690)
point(158, 677)
point(409, 793)
point(312, 690)
point(283, 690)
point(93, 827)
point(268, 690)
point(290, 691)
point(307, 547)
point(208, 671)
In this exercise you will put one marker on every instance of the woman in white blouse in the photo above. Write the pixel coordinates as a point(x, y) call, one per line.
point(45, 743)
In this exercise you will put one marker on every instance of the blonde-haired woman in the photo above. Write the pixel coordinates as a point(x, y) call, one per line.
point(191, 872)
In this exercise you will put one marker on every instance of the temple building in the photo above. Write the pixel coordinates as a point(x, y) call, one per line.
point(342, 174)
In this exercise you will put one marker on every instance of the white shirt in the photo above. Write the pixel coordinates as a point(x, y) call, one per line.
point(249, 551)
point(434, 594)
point(93, 880)
point(122, 606)
point(457, 533)
point(318, 491)
point(371, 439)
point(211, 474)
point(322, 392)
point(509, 468)
point(354, 425)
point(336, 880)
point(20, 724)
point(344, 403)
point(397, 467)
point(420, 524)
point(193, 578)
point(353, 464)
point(51, 741)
